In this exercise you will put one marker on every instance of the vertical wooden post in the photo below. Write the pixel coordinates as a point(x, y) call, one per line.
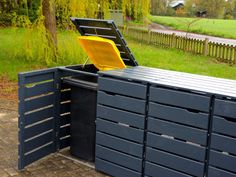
point(173, 40)
point(206, 46)
point(234, 55)
point(149, 36)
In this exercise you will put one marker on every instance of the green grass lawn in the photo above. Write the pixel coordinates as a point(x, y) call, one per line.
point(215, 27)
point(12, 61)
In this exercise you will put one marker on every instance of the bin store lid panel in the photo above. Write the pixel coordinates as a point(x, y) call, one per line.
point(180, 80)
point(108, 30)
point(102, 52)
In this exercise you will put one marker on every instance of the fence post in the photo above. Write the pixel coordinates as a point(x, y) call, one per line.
point(206, 46)
point(173, 40)
point(235, 55)
point(149, 36)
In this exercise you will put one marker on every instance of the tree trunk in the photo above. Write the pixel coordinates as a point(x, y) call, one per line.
point(50, 20)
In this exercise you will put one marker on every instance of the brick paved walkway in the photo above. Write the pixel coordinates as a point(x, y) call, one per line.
point(53, 165)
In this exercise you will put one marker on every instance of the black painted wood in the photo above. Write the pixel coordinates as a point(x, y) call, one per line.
point(175, 162)
point(225, 108)
point(119, 158)
point(38, 141)
point(119, 144)
point(223, 161)
point(40, 153)
point(38, 129)
point(114, 170)
point(120, 116)
point(223, 143)
point(130, 89)
point(122, 102)
point(121, 131)
point(180, 99)
point(178, 131)
point(224, 126)
point(178, 115)
point(37, 116)
point(38, 103)
point(39, 89)
point(155, 170)
point(215, 172)
point(176, 147)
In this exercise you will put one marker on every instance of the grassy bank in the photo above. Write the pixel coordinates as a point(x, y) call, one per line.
point(13, 59)
point(214, 27)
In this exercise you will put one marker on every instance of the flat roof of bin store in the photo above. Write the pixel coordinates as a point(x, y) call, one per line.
point(179, 80)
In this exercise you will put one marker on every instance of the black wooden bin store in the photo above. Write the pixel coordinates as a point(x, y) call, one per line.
point(136, 121)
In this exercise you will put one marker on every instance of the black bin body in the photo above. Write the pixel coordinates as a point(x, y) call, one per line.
point(83, 113)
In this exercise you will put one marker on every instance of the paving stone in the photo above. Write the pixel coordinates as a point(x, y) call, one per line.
point(52, 166)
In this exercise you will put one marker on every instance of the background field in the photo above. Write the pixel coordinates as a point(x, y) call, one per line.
point(13, 56)
point(215, 27)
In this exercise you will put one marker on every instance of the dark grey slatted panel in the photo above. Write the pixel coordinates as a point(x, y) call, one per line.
point(120, 116)
point(122, 102)
point(66, 119)
point(64, 131)
point(223, 161)
point(39, 89)
point(98, 31)
point(214, 172)
point(175, 162)
point(119, 158)
point(39, 78)
point(120, 131)
point(176, 147)
point(122, 87)
point(36, 155)
point(37, 103)
point(114, 170)
point(178, 131)
point(96, 23)
point(119, 144)
point(223, 143)
point(64, 108)
point(224, 126)
point(38, 116)
point(65, 142)
point(178, 98)
point(38, 141)
point(39, 128)
point(225, 108)
point(159, 171)
point(178, 115)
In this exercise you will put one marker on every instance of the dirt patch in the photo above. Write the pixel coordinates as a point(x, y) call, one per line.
point(8, 89)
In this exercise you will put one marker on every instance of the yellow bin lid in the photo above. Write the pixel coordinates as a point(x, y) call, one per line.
point(102, 52)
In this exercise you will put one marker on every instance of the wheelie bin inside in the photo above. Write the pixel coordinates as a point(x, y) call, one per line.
point(105, 55)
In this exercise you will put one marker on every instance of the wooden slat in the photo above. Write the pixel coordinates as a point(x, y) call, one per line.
point(175, 162)
point(178, 131)
point(65, 142)
point(38, 141)
point(176, 147)
point(152, 169)
point(38, 116)
point(120, 116)
point(122, 102)
point(223, 143)
point(122, 87)
point(119, 144)
point(36, 155)
point(39, 89)
point(223, 161)
point(125, 132)
point(178, 115)
point(38, 103)
point(215, 172)
point(39, 77)
point(119, 158)
point(225, 108)
point(114, 170)
point(224, 126)
point(39, 129)
point(64, 131)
